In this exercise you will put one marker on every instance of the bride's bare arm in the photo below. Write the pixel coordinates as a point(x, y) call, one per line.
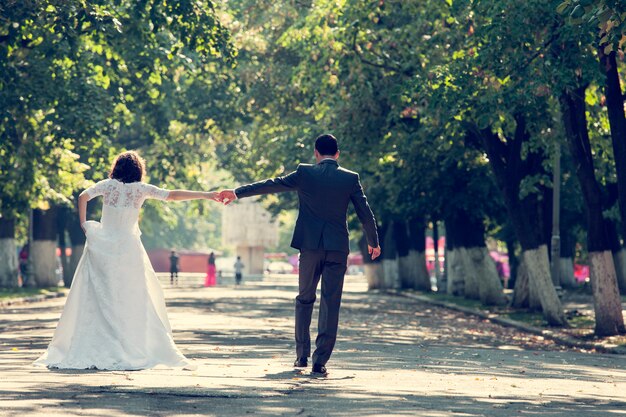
point(180, 195)
point(82, 208)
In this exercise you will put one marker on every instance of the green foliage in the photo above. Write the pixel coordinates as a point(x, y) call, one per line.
point(354, 69)
point(80, 81)
point(398, 82)
point(10, 293)
point(608, 17)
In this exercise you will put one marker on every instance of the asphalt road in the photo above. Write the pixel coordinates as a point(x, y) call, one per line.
point(394, 357)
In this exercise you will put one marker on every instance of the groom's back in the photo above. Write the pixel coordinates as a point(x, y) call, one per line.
point(324, 191)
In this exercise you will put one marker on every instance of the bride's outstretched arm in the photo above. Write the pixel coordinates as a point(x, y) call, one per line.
point(180, 195)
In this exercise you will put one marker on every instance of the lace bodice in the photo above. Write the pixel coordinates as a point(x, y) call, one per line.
point(125, 195)
point(122, 201)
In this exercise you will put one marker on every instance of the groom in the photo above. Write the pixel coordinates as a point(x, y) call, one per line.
point(321, 235)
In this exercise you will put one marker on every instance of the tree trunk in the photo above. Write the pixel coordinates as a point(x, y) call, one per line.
point(390, 273)
point(525, 293)
point(374, 275)
point(417, 253)
point(617, 252)
point(456, 281)
point(469, 274)
point(466, 235)
point(8, 254)
point(534, 300)
point(617, 122)
point(489, 284)
point(390, 259)
point(401, 237)
point(43, 248)
point(607, 303)
point(538, 266)
point(521, 292)
point(456, 266)
point(619, 258)
point(462, 277)
point(615, 245)
point(511, 165)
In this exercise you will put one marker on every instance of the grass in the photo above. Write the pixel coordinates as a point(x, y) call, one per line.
point(581, 325)
point(530, 318)
point(576, 321)
point(582, 322)
point(8, 293)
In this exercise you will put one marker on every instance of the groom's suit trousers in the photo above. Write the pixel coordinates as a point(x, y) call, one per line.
point(331, 267)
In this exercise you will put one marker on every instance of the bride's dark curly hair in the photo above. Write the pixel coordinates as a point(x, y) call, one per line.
point(128, 167)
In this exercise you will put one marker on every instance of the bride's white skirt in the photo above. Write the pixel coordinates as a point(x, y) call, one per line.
point(114, 317)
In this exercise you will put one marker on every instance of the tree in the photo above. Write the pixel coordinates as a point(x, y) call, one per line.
point(78, 76)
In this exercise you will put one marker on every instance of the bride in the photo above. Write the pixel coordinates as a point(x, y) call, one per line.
point(115, 317)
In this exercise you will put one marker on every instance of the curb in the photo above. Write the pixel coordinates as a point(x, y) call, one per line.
point(32, 299)
point(549, 334)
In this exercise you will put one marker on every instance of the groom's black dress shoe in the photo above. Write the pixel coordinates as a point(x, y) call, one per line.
point(300, 363)
point(319, 369)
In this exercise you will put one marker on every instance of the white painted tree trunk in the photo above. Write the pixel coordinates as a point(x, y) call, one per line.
point(456, 282)
point(421, 278)
point(374, 275)
point(521, 292)
point(606, 299)
point(8, 263)
point(490, 288)
point(469, 274)
point(43, 254)
point(567, 273)
point(538, 267)
point(534, 302)
point(405, 271)
point(619, 258)
point(390, 272)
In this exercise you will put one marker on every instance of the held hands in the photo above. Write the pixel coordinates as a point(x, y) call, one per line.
point(375, 252)
point(225, 196)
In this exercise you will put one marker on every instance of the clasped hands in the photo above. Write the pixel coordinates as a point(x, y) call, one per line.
point(225, 196)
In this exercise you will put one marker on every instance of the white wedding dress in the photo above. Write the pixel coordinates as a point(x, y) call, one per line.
point(115, 317)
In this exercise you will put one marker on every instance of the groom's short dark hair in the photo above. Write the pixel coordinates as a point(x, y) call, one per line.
point(326, 144)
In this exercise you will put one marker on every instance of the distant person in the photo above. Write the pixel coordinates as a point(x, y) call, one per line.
point(23, 260)
point(238, 270)
point(173, 267)
point(321, 234)
point(211, 271)
point(115, 316)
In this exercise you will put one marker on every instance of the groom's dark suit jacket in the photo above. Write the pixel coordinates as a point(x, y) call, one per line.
point(324, 191)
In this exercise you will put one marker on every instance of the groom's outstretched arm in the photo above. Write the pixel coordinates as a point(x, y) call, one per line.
point(289, 182)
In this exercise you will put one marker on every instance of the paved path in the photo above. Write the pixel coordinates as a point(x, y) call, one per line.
point(394, 357)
